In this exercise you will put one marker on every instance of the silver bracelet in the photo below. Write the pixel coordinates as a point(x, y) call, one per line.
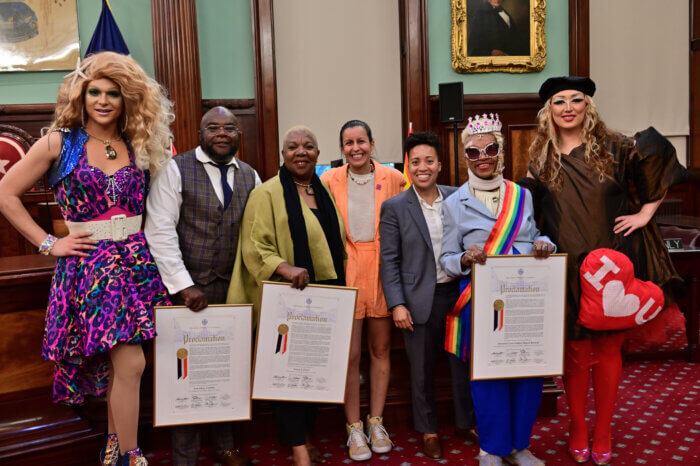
point(47, 245)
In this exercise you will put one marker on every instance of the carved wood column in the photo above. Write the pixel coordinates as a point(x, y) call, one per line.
point(579, 38)
point(414, 64)
point(176, 57)
point(265, 87)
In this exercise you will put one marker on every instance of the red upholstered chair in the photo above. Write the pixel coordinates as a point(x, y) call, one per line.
point(14, 144)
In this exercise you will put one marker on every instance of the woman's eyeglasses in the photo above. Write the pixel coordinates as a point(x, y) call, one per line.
point(492, 150)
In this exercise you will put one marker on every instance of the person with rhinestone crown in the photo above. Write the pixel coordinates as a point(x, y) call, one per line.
point(109, 135)
point(505, 409)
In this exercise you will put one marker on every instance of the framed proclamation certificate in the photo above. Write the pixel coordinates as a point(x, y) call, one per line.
point(518, 317)
point(202, 364)
point(303, 343)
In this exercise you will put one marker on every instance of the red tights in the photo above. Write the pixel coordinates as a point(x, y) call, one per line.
point(604, 356)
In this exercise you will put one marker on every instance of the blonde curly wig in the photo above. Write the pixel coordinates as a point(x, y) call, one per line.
point(147, 111)
point(545, 154)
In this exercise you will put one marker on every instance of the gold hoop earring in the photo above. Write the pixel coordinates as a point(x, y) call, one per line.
point(82, 117)
point(126, 123)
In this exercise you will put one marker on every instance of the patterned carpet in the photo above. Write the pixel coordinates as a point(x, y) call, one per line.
point(656, 423)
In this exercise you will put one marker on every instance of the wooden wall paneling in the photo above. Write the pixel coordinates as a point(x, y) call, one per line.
point(176, 60)
point(519, 138)
point(579, 38)
point(24, 292)
point(244, 109)
point(30, 117)
point(694, 142)
point(265, 87)
point(22, 365)
point(681, 208)
point(11, 242)
point(415, 75)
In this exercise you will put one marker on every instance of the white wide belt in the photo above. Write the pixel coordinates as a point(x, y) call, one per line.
point(117, 228)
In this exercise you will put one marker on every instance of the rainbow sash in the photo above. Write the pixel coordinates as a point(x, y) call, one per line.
point(500, 241)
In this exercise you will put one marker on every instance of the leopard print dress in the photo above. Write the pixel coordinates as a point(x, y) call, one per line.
point(106, 298)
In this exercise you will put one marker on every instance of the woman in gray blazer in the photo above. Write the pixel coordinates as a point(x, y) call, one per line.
point(506, 408)
point(419, 293)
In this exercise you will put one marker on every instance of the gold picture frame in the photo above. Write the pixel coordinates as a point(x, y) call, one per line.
point(38, 35)
point(480, 62)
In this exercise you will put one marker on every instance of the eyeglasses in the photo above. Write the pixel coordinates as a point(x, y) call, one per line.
point(491, 151)
point(216, 128)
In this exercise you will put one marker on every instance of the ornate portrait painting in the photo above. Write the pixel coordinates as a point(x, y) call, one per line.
point(498, 35)
point(38, 35)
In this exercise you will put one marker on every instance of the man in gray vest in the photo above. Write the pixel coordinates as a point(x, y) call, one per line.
point(193, 217)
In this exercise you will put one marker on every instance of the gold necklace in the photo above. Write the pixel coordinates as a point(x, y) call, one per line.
point(308, 187)
point(110, 153)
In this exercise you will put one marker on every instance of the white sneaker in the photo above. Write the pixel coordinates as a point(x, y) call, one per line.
point(377, 435)
point(357, 442)
point(489, 460)
point(523, 458)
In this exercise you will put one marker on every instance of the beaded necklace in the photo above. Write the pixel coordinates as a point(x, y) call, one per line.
point(362, 181)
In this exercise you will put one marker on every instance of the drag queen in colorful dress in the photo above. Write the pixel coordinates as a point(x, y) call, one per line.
point(110, 134)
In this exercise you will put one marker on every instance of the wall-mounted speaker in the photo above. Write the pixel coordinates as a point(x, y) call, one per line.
point(451, 102)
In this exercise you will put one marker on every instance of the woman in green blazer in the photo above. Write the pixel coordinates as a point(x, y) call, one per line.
point(291, 232)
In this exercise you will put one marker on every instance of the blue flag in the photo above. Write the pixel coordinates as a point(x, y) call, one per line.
point(107, 37)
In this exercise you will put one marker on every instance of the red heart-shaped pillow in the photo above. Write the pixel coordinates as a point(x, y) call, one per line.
point(612, 298)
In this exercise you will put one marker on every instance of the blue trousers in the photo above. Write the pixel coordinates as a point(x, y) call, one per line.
point(506, 410)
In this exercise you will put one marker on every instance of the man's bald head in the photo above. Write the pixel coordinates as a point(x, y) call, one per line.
point(218, 112)
point(219, 135)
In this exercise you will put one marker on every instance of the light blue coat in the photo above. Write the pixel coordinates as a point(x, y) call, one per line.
point(467, 221)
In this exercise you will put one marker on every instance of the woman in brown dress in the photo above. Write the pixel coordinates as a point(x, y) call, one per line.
point(580, 173)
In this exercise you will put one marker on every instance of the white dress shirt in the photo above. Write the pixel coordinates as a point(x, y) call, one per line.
point(163, 214)
point(433, 217)
point(505, 17)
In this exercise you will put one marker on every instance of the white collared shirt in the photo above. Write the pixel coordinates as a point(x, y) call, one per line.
point(163, 214)
point(505, 17)
point(433, 217)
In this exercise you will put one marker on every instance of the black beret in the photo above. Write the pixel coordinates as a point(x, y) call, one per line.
point(563, 83)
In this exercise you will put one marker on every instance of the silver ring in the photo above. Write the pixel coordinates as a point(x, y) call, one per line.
point(306, 279)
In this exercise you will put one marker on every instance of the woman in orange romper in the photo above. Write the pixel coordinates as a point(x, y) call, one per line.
point(359, 188)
